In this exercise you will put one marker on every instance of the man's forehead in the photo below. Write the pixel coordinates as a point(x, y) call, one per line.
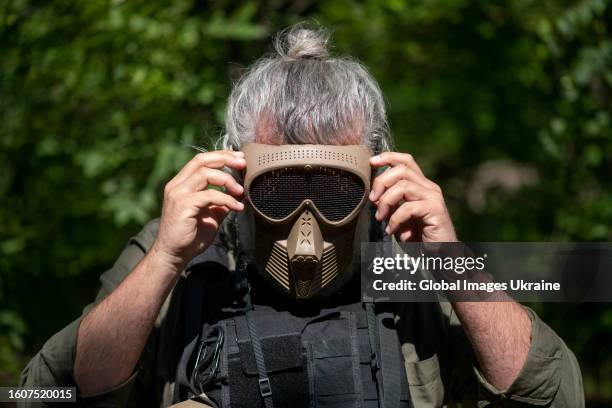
point(274, 140)
point(269, 133)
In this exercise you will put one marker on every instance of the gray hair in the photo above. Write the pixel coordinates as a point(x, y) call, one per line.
point(302, 94)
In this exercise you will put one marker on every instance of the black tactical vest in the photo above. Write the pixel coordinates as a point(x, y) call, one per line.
point(252, 347)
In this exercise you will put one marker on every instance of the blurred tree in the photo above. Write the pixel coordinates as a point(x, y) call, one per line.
point(506, 104)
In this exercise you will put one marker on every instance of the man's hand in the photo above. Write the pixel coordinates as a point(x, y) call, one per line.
point(412, 204)
point(112, 336)
point(192, 213)
point(414, 207)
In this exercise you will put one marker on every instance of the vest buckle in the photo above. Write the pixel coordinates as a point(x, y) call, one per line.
point(264, 387)
point(374, 363)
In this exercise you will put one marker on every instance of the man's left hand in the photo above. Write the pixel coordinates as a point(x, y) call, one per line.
point(412, 204)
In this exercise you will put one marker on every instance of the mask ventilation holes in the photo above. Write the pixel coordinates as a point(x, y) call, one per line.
point(329, 265)
point(278, 264)
point(306, 154)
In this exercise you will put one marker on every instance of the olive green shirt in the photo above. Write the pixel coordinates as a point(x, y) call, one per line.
point(439, 363)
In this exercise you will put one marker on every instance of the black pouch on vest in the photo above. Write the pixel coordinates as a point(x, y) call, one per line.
point(286, 365)
point(334, 362)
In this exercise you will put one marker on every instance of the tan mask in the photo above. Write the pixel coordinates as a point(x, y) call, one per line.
point(306, 201)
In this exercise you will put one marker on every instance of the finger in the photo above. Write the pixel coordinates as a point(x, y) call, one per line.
point(395, 159)
point(218, 212)
point(204, 199)
point(411, 210)
point(403, 190)
point(205, 176)
point(406, 236)
point(409, 231)
point(391, 176)
point(216, 160)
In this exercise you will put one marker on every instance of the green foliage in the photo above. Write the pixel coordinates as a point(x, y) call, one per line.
point(506, 104)
point(11, 340)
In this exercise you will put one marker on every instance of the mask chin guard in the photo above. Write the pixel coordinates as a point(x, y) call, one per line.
point(305, 251)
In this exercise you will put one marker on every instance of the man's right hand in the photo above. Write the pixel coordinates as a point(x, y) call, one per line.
point(192, 212)
point(112, 336)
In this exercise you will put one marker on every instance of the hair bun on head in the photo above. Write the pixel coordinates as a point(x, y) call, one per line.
point(302, 42)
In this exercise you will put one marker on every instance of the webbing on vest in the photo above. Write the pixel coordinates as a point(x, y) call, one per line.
point(384, 344)
point(265, 389)
point(264, 382)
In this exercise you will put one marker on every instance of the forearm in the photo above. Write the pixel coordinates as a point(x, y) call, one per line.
point(112, 336)
point(500, 334)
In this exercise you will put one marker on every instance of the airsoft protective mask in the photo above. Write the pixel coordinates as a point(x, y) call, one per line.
point(306, 201)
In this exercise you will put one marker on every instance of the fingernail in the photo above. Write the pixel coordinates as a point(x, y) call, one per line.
point(388, 230)
point(239, 153)
point(377, 215)
point(239, 205)
point(239, 187)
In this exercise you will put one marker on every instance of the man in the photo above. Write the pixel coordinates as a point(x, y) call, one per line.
point(231, 302)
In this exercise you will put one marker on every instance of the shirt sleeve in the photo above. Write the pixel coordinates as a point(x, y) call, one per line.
point(53, 364)
point(550, 377)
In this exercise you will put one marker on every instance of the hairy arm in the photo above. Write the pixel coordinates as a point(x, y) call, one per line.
point(112, 336)
point(414, 208)
point(500, 334)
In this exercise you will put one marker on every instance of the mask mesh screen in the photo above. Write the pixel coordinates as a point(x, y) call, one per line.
point(336, 193)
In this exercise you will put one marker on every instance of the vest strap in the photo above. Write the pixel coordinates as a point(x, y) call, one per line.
point(265, 388)
point(390, 364)
point(387, 369)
